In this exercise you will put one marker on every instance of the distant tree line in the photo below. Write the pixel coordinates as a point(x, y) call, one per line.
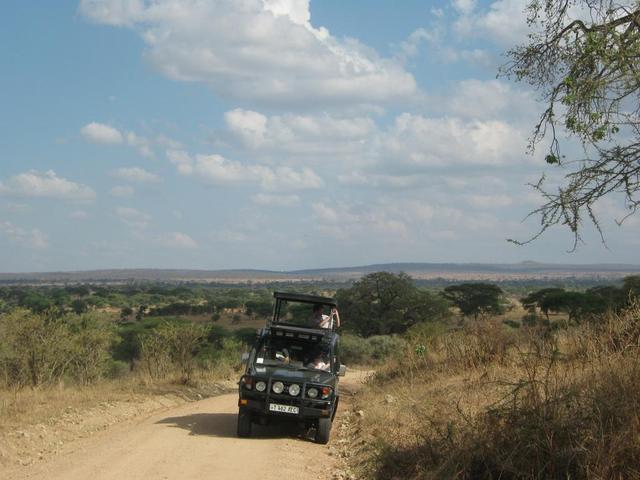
point(581, 306)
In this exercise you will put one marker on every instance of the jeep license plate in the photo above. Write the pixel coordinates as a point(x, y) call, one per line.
point(274, 407)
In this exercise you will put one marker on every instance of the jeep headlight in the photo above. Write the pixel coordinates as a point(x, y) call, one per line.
point(261, 386)
point(277, 387)
point(312, 392)
point(294, 389)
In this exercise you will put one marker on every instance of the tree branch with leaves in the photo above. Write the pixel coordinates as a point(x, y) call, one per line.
point(583, 56)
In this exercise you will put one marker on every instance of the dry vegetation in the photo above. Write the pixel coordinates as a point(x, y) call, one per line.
point(489, 401)
point(57, 369)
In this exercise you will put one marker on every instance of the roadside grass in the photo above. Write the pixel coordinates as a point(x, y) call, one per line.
point(28, 406)
point(489, 401)
point(50, 363)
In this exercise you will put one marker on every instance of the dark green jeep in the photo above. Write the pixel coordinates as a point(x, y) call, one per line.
point(293, 368)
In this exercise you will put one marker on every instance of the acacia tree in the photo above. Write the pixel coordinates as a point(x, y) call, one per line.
point(476, 299)
point(383, 303)
point(584, 58)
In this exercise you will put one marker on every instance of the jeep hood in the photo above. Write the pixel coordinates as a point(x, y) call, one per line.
point(293, 375)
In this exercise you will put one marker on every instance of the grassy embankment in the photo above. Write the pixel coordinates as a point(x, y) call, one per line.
point(491, 401)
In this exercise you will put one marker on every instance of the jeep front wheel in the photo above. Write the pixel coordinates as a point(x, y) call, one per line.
point(323, 431)
point(244, 423)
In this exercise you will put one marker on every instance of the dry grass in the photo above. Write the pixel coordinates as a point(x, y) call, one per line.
point(29, 406)
point(486, 402)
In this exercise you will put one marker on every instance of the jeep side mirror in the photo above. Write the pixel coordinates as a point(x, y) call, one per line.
point(342, 370)
point(245, 358)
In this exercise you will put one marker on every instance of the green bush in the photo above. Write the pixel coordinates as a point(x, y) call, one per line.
point(358, 350)
point(384, 346)
point(42, 348)
point(354, 349)
point(117, 369)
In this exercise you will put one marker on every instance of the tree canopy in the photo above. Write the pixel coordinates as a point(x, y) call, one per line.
point(383, 303)
point(475, 299)
point(584, 58)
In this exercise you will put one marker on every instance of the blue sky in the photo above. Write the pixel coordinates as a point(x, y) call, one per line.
point(274, 134)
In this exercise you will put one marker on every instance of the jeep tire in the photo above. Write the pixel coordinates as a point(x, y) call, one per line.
point(244, 423)
point(323, 430)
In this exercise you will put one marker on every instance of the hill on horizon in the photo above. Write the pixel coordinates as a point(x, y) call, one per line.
point(451, 271)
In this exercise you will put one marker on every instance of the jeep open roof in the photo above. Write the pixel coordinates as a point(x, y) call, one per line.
point(299, 298)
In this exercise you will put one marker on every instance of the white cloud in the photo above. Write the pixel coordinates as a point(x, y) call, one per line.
point(179, 240)
point(300, 134)
point(504, 21)
point(409, 48)
point(135, 175)
point(133, 218)
point(465, 7)
point(264, 50)
point(480, 99)
point(417, 141)
point(181, 160)
point(490, 201)
point(275, 200)
point(141, 144)
point(101, 133)
point(217, 170)
point(46, 185)
point(350, 222)
point(33, 238)
point(79, 215)
point(122, 191)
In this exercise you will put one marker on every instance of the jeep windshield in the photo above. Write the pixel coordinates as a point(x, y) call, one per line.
point(293, 353)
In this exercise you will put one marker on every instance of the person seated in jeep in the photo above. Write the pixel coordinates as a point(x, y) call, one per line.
point(320, 320)
point(318, 359)
point(320, 362)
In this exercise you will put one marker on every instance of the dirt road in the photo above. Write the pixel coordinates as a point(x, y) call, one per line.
point(193, 441)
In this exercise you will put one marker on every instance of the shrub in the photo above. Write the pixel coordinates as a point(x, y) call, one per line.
point(117, 369)
point(358, 350)
point(354, 349)
point(172, 343)
point(384, 346)
point(41, 348)
point(88, 343)
point(552, 418)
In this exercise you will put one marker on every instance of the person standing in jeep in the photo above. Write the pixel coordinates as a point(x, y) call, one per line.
point(320, 320)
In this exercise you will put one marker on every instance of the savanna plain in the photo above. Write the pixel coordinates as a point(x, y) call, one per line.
point(448, 380)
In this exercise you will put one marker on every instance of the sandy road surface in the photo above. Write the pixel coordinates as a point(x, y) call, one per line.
point(194, 441)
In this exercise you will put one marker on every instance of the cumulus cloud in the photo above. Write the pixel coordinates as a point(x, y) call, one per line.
point(135, 175)
point(504, 21)
point(47, 184)
point(141, 144)
point(490, 201)
point(299, 134)
point(265, 50)
point(217, 170)
point(410, 47)
point(122, 191)
point(484, 99)
point(133, 218)
point(178, 240)
point(33, 238)
point(418, 141)
point(350, 222)
point(101, 133)
point(275, 200)
point(79, 215)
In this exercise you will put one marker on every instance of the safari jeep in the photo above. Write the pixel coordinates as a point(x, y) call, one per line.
point(292, 370)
